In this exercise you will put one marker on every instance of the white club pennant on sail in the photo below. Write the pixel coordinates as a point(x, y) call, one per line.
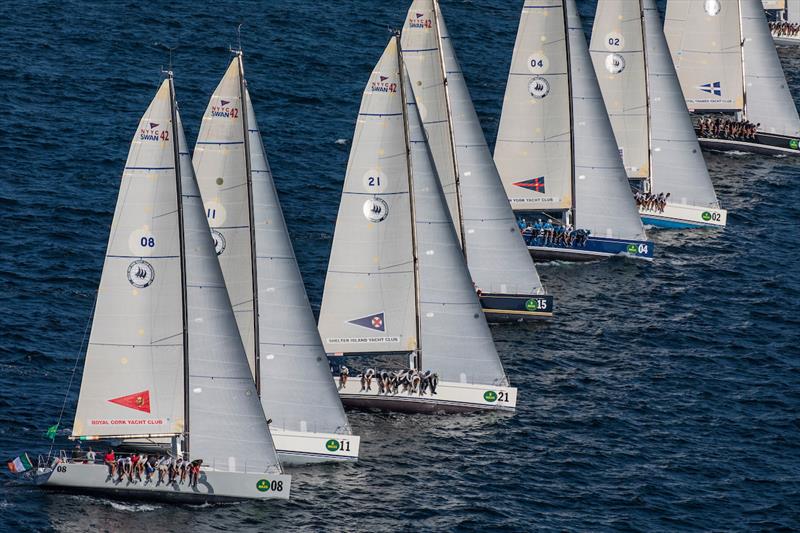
point(533, 152)
point(768, 100)
point(603, 200)
point(294, 377)
point(423, 60)
point(704, 38)
point(368, 303)
point(455, 339)
point(133, 374)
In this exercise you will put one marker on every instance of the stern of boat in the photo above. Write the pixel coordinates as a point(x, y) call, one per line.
point(516, 307)
point(302, 447)
point(684, 216)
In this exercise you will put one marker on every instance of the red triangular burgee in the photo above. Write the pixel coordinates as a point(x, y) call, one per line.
point(138, 400)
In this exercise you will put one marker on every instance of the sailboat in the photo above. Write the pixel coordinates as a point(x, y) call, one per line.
point(496, 254)
point(555, 149)
point(727, 65)
point(165, 362)
point(783, 11)
point(266, 288)
point(651, 123)
point(398, 299)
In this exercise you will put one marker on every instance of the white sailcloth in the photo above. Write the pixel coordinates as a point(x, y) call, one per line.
point(705, 38)
point(533, 152)
point(368, 304)
point(455, 339)
point(768, 99)
point(133, 373)
point(423, 60)
point(295, 386)
point(603, 200)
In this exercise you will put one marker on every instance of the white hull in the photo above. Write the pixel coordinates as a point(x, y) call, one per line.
point(787, 39)
point(213, 486)
point(681, 215)
point(300, 448)
point(450, 398)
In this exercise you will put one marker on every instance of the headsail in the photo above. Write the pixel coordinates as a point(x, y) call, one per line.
point(534, 145)
point(369, 299)
point(455, 339)
point(769, 101)
point(133, 374)
point(295, 386)
point(423, 59)
point(705, 39)
point(603, 200)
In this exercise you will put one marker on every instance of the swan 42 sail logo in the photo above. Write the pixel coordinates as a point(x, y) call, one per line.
point(219, 241)
point(615, 63)
point(382, 85)
point(141, 274)
point(539, 87)
point(420, 21)
point(223, 110)
point(376, 210)
point(150, 132)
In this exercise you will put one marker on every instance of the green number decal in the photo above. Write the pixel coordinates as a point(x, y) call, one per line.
point(332, 445)
point(490, 396)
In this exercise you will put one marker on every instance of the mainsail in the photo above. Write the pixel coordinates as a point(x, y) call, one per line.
point(632, 62)
point(175, 298)
point(497, 257)
point(293, 379)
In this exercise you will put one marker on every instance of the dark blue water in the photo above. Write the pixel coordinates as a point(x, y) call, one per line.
point(664, 396)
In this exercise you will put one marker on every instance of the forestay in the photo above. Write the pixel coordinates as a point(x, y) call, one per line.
point(704, 38)
point(533, 152)
point(603, 200)
point(768, 100)
point(423, 59)
point(368, 303)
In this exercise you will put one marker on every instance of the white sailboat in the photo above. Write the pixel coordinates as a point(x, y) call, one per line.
point(651, 123)
point(165, 362)
point(266, 288)
point(497, 257)
point(556, 151)
point(727, 64)
point(398, 301)
point(783, 11)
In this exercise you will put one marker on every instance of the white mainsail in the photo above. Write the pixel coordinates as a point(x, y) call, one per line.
point(368, 304)
point(533, 152)
point(497, 257)
point(705, 40)
point(663, 124)
point(223, 421)
point(294, 377)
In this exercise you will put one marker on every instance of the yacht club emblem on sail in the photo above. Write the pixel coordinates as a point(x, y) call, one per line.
point(539, 87)
point(714, 88)
point(374, 322)
point(376, 209)
point(139, 401)
point(141, 274)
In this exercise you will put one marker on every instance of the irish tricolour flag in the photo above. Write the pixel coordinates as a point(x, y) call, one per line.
point(20, 464)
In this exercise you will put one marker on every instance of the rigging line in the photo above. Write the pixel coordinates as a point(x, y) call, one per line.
point(72, 375)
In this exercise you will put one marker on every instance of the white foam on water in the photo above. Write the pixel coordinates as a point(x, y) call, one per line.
point(132, 507)
point(341, 141)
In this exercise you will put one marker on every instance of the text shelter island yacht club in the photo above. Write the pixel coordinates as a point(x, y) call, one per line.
point(555, 149)
point(399, 303)
point(272, 311)
point(730, 73)
point(499, 263)
point(651, 123)
point(165, 366)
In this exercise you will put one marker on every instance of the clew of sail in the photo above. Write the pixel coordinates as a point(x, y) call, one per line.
point(603, 200)
point(368, 304)
point(497, 256)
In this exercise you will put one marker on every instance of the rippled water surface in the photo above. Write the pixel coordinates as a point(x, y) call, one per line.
point(664, 396)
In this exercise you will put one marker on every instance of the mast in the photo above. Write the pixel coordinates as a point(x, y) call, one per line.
point(741, 52)
point(647, 99)
point(251, 222)
point(451, 136)
point(571, 115)
point(181, 237)
point(417, 312)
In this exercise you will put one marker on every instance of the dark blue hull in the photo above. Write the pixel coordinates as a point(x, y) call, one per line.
point(516, 307)
point(594, 249)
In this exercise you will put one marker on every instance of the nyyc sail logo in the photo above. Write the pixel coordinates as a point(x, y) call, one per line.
point(150, 132)
point(373, 322)
point(713, 87)
point(223, 110)
point(139, 401)
point(141, 274)
point(533, 184)
point(419, 21)
point(539, 87)
point(332, 445)
point(382, 85)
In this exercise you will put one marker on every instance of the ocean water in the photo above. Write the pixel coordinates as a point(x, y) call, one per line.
point(662, 397)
